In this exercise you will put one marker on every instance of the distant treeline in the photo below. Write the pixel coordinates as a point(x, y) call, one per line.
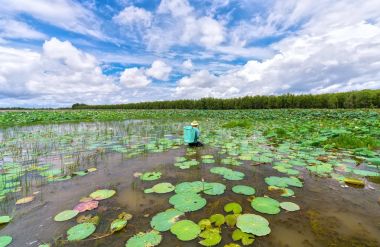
point(354, 99)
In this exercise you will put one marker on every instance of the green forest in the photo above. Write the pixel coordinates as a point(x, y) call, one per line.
point(346, 100)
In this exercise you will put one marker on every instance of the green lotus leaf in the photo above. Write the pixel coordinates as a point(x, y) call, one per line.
point(266, 205)
point(246, 238)
point(161, 188)
point(5, 219)
point(5, 240)
point(283, 182)
point(204, 224)
point(214, 189)
point(244, 190)
point(187, 202)
point(190, 187)
point(102, 194)
point(231, 245)
point(227, 173)
point(233, 207)
point(231, 219)
point(185, 230)
point(118, 224)
point(217, 219)
point(145, 239)
point(44, 245)
point(164, 220)
point(289, 206)
point(66, 215)
point(207, 156)
point(149, 176)
point(80, 231)
point(211, 237)
point(254, 224)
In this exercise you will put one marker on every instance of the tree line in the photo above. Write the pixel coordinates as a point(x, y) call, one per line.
point(347, 100)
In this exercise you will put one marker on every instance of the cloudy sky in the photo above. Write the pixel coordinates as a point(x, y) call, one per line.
point(59, 52)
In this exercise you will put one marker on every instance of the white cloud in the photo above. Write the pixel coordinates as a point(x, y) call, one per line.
point(15, 29)
point(134, 16)
point(212, 32)
point(159, 70)
point(60, 72)
point(187, 64)
point(68, 14)
point(134, 78)
point(176, 8)
point(340, 59)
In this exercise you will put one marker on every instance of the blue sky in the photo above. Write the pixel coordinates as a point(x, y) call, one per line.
point(55, 53)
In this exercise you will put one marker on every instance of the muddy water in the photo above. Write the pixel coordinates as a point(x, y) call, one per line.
point(330, 215)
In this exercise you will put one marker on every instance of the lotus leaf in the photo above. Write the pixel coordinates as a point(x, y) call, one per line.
point(204, 224)
point(246, 238)
point(214, 188)
point(233, 207)
point(190, 187)
point(244, 190)
point(86, 206)
point(149, 176)
point(161, 188)
point(185, 230)
point(118, 224)
point(211, 237)
point(227, 173)
point(80, 231)
point(66, 215)
point(254, 224)
point(25, 200)
point(5, 219)
point(187, 202)
point(217, 219)
point(102, 194)
point(289, 206)
point(164, 220)
point(5, 240)
point(283, 182)
point(231, 245)
point(231, 219)
point(145, 239)
point(266, 205)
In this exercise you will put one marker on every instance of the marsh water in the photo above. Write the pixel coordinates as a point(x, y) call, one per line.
point(331, 214)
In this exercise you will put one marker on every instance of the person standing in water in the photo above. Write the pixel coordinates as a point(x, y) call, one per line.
point(192, 134)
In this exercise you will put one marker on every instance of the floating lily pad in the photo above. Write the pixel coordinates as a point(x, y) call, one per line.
point(86, 206)
point(185, 230)
point(118, 224)
point(164, 220)
point(102, 194)
point(211, 237)
point(289, 206)
point(66, 215)
point(190, 187)
point(246, 238)
point(266, 205)
point(244, 190)
point(217, 219)
point(5, 219)
point(80, 231)
point(187, 202)
point(204, 224)
point(231, 219)
point(149, 176)
point(254, 224)
point(5, 240)
point(145, 239)
point(283, 182)
point(233, 207)
point(161, 188)
point(214, 188)
point(227, 173)
point(25, 200)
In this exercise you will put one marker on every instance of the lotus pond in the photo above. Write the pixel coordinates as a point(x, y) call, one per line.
point(265, 181)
